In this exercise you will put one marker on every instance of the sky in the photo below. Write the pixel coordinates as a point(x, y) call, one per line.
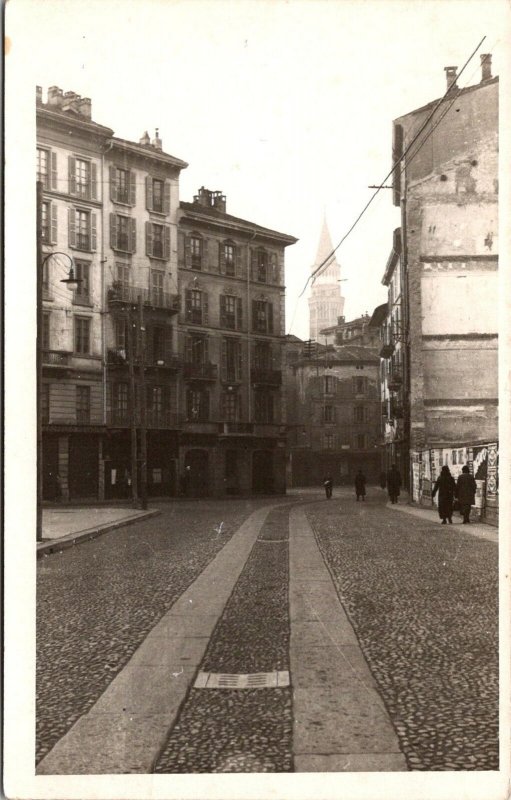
point(284, 106)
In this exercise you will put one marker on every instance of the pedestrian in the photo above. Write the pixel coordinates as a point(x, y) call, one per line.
point(466, 492)
point(393, 483)
point(328, 484)
point(360, 485)
point(445, 485)
point(383, 480)
point(185, 481)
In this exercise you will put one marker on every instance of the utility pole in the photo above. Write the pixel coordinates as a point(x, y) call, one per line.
point(132, 410)
point(39, 358)
point(142, 400)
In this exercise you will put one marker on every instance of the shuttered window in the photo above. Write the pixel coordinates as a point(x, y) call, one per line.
point(197, 405)
point(158, 195)
point(262, 316)
point(123, 233)
point(82, 177)
point(47, 168)
point(82, 273)
point(262, 355)
point(82, 335)
point(82, 229)
point(231, 362)
point(195, 252)
point(123, 186)
point(83, 404)
point(196, 306)
point(329, 414)
point(45, 333)
point(230, 407)
point(158, 240)
point(263, 406)
point(227, 258)
point(230, 312)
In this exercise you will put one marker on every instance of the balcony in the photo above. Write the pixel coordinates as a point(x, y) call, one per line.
point(200, 371)
point(155, 419)
point(395, 379)
point(386, 350)
point(236, 428)
point(117, 357)
point(120, 294)
point(267, 377)
point(57, 361)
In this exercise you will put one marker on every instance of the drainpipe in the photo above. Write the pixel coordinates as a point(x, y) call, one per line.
point(249, 353)
point(103, 284)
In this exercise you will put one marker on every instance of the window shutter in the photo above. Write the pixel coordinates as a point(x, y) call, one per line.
point(133, 188)
point(269, 312)
point(188, 303)
point(113, 231)
point(180, 249)
point(166, 197)
point(239, 313)
point(205, 350)
point(205, 311)
point(253, 264)
point(204, 260)
point(254, 315)
point(238, 261)
point(187, 251)
point(53, 183)
point(133, 236)
point(149, 193)
point(188, 348)
point(239, 362)
point(113, 184)
point(53, 232)
point(71, 174)
point(72, 227)
point(274, 268)
point(149, 238)
point(221, 258)
point(166, 241)
point(222, 311)
point(94, 180)
point(168, 344)
point(93, 231)
point(223, 360)
point(205, 405)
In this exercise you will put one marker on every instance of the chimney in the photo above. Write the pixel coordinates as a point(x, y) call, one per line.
point(145, 140)
point(157, 142)
point(450, 74)
point(54, 96)
point(39, 94)
point(219, 201)
point(203, 198)
point(84, 107)
point(485, 67)
point(70, 101)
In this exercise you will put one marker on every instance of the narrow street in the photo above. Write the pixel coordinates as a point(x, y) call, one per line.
point(401, 674)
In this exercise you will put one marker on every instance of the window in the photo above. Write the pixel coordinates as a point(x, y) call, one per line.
point(159, 342)
point(82, 229)
point(329, 441)
point(262, 355)
point(123, 186)
point(82, 176)
point(262, 316)
point(83, 404)
point(330, 382)
point(227, 258)
point(197, 405)
point(197, 350)
point(82, 335)
point(82, 291)
point(157, 240)
point(123, 274)
point(230, 312)
point(157, 287)
point(43, 172)
point(196, 306)
point(157, 195)
point(263, 406)
point(359, 414)
point(259, 263)
point(328, 413)
point(231, 360)
point(45, 403)
point(156, 403)
point(359, 385)
point(196, 252)
point(45, 333)
point(230, 407)
point(45, 223)
point(121, 334)
point(361, 441)
point(120, 401)
point(123, 233)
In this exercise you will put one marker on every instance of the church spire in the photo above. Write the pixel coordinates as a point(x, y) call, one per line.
point(326, 302)
point(325, 245)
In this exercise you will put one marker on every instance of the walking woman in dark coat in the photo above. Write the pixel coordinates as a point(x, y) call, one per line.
point(360, 485)
point(393, 483)
point(445, 485)
point(466, 491)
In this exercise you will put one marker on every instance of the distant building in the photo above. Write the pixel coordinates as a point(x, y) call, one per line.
point(356, 331)
point(326, 303)
point(334, 412)
point(442, 327)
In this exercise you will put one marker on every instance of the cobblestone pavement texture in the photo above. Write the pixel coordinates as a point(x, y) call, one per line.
point(96, 602)
point(243, 730)
point(423, 601)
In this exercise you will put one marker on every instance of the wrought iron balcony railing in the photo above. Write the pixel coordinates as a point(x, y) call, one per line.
point(123, 293)
point(270, 377)
point(200, 371)
point(56, 358)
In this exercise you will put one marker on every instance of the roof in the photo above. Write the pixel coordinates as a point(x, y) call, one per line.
point(292, 339)
point(71, 117)
point(344, 354)
point(379, 315)
point(448, 97)
point(214, 215)
point(148, 151)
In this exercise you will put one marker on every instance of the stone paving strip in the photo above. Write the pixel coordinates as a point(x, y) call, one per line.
point(127, 727)
point(340, 721)
point(224, 729)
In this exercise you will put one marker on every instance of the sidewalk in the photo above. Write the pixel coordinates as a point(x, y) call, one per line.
point(479, 529)
point(64, 527)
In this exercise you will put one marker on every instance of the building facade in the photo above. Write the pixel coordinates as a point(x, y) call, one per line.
point(333, 413)
point(326, 303)
point(231, 278)
point(447, 189)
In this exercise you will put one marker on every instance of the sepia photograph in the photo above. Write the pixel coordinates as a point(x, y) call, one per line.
point(257, 408)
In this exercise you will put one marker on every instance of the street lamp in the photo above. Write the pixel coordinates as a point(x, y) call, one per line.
point(71, 282)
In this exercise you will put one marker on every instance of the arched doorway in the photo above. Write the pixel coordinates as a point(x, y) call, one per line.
point(262, 471)
point(198, 461)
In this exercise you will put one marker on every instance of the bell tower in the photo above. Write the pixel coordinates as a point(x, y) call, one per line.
point(326, 303)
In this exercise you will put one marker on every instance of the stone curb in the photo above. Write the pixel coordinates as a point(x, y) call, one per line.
point(57, 545)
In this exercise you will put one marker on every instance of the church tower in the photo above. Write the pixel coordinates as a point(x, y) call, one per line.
point(326, 303)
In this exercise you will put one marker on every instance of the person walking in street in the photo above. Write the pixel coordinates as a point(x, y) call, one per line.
point(383, 480)
point(445, 485)
point(328, 484)
point(393, 483)
point(360, 485)
point(466, 491)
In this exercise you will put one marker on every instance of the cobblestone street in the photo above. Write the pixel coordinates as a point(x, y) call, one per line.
point(422, 601)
